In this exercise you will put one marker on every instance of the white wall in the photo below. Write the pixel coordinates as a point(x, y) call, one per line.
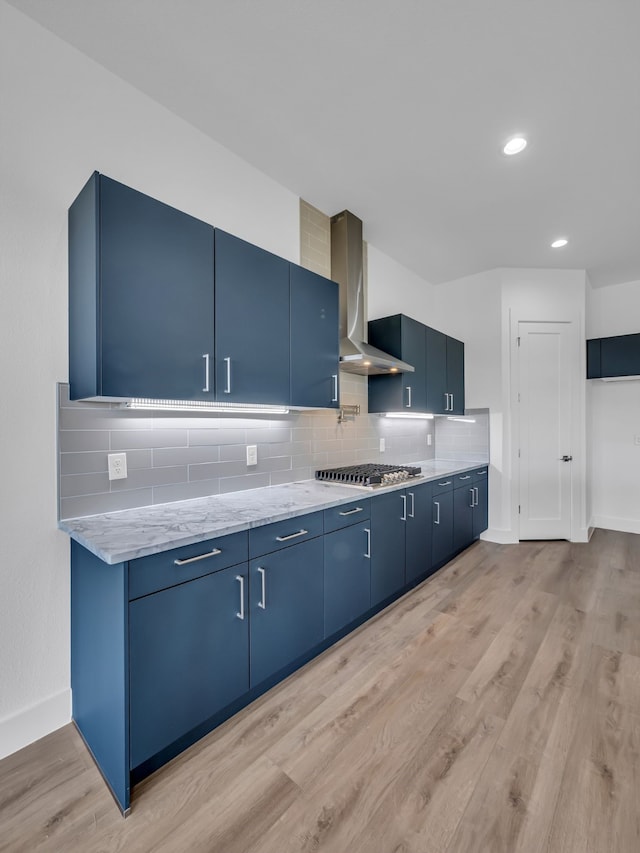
point(63, 117)
point(614, 416)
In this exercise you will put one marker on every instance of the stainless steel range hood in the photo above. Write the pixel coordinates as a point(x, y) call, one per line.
point(356, 355)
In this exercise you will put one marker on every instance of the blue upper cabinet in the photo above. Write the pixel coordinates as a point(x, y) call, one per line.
point(141, 297)
point(405, 339)
point(315, 341)
point(252, 323)
point(614, 356)
point(455, 376)
point(436, 371)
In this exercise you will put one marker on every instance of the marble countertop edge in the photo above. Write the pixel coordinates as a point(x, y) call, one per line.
point(124, 535)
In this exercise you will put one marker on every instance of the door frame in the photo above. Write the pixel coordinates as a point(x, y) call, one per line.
point(579, 529)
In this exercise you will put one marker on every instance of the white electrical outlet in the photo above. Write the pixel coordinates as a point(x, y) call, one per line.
point(429, 439)
point(382, 445)
point(252, 454)
point(117, 463)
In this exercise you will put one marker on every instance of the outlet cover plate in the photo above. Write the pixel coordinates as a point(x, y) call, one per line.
point(117, 465)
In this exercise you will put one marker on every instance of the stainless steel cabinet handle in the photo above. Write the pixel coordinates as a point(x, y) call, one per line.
point(452, 404)
point(368, 552)
point(334, 376)
point(351, 511)
point(227, 361)
point(240, 613)
point(412, 511)
point(466, 477)
point(473, 497)
point(446, 405)
point(291, 536)
point(213, 553)
point(263, 593)
point(408, 396)
point(404, 507)
point(446, 483)
point(205, 355)
point(475, 489)
point(437, 518)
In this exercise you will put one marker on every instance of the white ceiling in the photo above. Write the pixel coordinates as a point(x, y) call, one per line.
point(397, 110)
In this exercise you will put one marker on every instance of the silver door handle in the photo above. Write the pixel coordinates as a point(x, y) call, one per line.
point(368, 553)
point(240, 613)
point(412, 511)
point(334, 376)
point(567, 458)
point(408, 396)
point(205, 355)
point(291, 536)
point(475, 489)
point(452, 404)
point(473, 498)
point(404, 508)
point(437, 518)
point(351, 511)
point(446, 405)
point(227, 361)
point(263, 594)
point(213, 553)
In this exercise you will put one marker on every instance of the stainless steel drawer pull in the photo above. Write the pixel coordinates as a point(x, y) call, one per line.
point(291, 536)
point(351, 511)
point(213, 553)
point(466, 477)
point(205, 355)
point(437, 518)
point(446, 483)
point(368, 553)
point(227, 361)
point(240, 613)
point(263, 590)
point(334, 376)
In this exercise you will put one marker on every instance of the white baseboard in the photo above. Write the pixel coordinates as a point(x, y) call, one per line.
point(623, 525)
point(500, 537)
point(35, 722)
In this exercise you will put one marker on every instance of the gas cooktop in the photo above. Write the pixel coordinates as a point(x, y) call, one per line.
point(367, 475)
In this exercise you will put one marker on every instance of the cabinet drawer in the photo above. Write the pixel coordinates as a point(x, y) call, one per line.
point(273, 537)
point(159, 571)
point(481, 473)
point(345, 515)
point(444, 484)
point(467, 478)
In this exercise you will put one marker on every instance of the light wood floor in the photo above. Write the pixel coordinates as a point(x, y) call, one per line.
point(494, 708)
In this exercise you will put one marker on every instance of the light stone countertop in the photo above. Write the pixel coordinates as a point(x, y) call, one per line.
point(118, 536)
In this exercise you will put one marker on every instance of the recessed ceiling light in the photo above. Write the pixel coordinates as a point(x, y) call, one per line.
point(559, 243)
point(515, 145)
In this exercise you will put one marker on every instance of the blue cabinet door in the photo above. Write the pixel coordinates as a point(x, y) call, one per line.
point(442, 528)
point(252, 323)
point(620, 355)
point(189, 657)
point(481, 508)
point(347, 576)
point(315, 345)
point(436, 346)
point(388, 522)
point(155, 300)
point(287, 611)
point(404, 338)
point(463, 510)
point(418, 532)
point(455, 375)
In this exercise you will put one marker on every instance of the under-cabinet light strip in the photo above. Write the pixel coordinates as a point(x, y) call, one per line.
point(204, 406)
point(414, 415)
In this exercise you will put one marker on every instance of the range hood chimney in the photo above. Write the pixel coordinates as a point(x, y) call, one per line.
point(356, 355)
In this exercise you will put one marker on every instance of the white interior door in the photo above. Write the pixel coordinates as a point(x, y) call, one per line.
point(545, 429)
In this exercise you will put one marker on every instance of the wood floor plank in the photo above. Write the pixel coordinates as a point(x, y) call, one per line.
point(495, 707)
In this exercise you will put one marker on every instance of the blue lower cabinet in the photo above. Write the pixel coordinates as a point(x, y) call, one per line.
point(347, 576)
point(388, 520)
point(463, 507)
point(481, 507)
point(442, 527)
point(189, 657)
point(286, 607)
point(418, 532)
